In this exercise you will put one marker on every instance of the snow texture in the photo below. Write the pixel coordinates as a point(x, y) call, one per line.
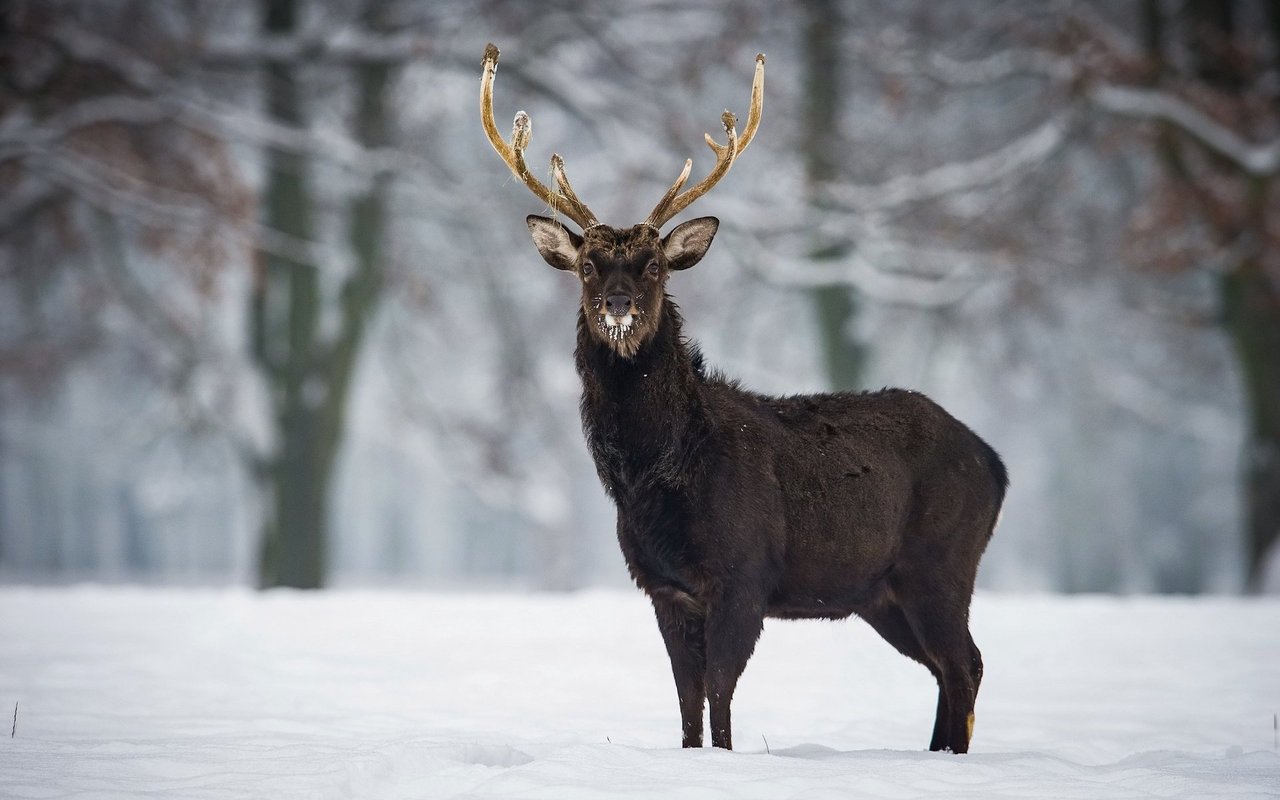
point(130, 693)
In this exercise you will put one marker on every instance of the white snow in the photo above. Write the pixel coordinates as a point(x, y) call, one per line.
point(131, 693)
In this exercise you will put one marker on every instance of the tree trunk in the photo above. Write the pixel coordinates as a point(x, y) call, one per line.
point(284, 313)
point(1252, 314)
point(835, 306)
point(311, 377)
point(1250, 297)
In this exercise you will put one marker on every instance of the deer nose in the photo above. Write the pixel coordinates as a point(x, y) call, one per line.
point(618, 304)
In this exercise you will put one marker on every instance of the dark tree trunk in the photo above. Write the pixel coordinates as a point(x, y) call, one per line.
point(1252, 305)
point(284, 313)
point(309, 376)
point(834, 306)
point(1251, 298)
point(1250, 293)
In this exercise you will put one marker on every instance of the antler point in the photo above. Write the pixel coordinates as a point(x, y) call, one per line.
point(521, 131)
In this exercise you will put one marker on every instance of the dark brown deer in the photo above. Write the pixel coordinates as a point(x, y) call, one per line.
point(735, 506)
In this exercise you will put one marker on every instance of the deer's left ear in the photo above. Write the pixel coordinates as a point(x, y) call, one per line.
point(688, 242)
point(557, 244)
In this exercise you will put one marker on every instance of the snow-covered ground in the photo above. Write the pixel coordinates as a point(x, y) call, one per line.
point(231, 694)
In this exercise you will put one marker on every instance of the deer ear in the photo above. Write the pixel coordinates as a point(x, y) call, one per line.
point(557, 244)
point(688, 243)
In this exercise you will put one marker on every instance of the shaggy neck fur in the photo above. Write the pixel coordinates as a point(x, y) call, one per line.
point(644, 416)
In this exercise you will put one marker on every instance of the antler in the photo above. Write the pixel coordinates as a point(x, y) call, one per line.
point(675, 201)
point(565, 200)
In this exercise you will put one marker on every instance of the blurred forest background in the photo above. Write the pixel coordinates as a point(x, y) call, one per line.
point(269, 313)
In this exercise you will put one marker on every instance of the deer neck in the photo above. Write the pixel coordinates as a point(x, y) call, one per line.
point(643, 415)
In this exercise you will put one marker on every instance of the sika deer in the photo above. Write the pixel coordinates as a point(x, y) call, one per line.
point(735, 506)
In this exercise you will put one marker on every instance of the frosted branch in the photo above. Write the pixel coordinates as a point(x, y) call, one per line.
point(858, 272)
point(956, 177)
point(1258, 160)
point(1004, 65)
point(956, 273)
point(228, 120)
point(998, 67)
point(118, 192)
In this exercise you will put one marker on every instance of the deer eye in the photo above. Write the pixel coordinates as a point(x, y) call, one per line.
point(651, 270)
point(588, 269)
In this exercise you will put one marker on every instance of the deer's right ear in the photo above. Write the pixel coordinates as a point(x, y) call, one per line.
point(557, 244)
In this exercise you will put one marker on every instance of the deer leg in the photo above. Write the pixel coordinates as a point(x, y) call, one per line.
point(891, 623)
point(942, 629)
point(974, 666)
point(961, 675)
point(733, 626)
point(684, 632)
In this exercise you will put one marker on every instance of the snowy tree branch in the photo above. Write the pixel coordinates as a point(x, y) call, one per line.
point(956, 177)
point(117, 192)
point(1258, 160)
point(884, 267)
point(960, 73)
point(208, 115)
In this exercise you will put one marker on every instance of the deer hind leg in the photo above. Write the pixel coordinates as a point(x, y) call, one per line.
point(942, 629)
point(962, 674)
point(684, 632)
point(891, 623)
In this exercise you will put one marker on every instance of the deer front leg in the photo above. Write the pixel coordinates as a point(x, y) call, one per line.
point(684, 632)
point(733, 626)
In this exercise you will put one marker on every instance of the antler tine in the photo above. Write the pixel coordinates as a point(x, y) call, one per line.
point(565, 201)
point(562, 181)
point(673, 202)
point(757, 106)
point(669, 196)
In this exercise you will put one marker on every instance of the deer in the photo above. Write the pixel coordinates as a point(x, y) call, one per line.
point(734, 506)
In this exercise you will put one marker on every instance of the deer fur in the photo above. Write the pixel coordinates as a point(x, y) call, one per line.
point(735, 506)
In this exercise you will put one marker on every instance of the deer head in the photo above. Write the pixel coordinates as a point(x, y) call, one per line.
point(623, 271)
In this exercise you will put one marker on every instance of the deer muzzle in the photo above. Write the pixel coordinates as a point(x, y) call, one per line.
point(618, 305)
